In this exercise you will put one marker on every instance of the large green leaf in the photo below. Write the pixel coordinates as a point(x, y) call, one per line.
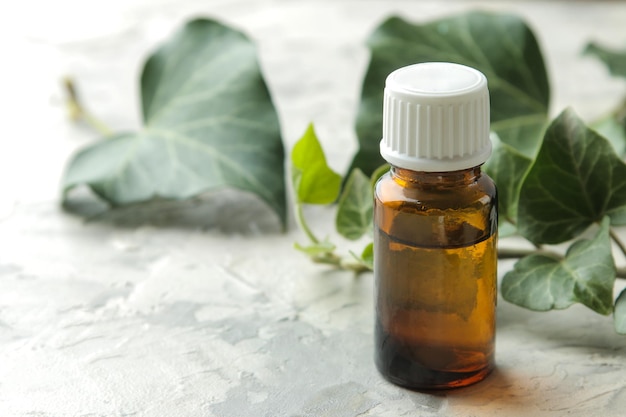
point(613, 126)
point(576, 180)
point(314, 182)
point(586, 276)
point(356, 206)
point(209, 123)
point(501, 46)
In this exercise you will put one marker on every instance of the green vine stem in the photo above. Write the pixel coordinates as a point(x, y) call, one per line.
point(303, 225)
point(617, 241)
point(328, 257)
point(520, 253)
point(77, 111)
point(331, 258)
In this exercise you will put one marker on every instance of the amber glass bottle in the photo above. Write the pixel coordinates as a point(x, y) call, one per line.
point(435, 221)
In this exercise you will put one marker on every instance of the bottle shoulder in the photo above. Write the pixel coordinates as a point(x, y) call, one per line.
point(483, 191)
point(457, 214)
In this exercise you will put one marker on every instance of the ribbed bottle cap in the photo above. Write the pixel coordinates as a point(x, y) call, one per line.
point(436, 118)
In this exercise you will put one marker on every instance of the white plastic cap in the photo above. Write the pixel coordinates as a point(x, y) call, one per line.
point(436, 118)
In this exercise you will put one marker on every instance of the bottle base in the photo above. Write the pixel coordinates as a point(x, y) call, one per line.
point(417, 378)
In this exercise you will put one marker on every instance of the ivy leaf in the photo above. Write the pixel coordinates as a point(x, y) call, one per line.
point(316, 249)
point(576, 180)
point(367, 256)
point(612, 127)
point(314, 182)
point(501, 46)
point(619, 314)
point(355, 208)
point(507, 168)
point(614, 60)
point(209, 123)
point(586, 276)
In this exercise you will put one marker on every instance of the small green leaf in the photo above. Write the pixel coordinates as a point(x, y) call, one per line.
point(614, 60)
point(507, 168)
point(355, 209)
point(586, 275)
point(367, 256)
point(209, 123)
point(575, 180)
point(316, 248)
point(501, 46)
point(314, 182)
point(619, 314)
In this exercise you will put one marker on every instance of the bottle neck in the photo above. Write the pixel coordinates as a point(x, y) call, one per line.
point(409, 178)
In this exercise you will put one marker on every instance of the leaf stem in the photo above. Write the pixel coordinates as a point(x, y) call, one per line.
point(520, 253)
point(330, 258)
point(303, 225)
point(617, 241)
point(77, 111)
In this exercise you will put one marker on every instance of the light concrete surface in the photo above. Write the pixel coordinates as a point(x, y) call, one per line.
point(206, 310)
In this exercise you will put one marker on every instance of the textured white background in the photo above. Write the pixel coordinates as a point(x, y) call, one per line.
point(206, 310)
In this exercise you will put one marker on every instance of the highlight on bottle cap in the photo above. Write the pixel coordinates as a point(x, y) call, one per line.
point(436, 117)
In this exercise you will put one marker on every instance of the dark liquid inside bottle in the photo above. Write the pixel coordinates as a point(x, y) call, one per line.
point(435, 269)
